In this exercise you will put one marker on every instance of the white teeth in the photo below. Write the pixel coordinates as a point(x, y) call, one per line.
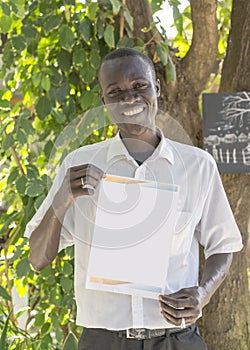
point(133, 112)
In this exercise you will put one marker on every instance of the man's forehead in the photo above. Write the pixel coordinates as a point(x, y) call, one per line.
point(134, 65)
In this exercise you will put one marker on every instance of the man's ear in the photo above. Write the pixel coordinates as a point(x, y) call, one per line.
point(158, 87)
point(101, 96)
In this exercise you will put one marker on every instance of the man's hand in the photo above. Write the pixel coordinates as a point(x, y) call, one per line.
point(187, 303)
point(44, 242)
point(79, 180)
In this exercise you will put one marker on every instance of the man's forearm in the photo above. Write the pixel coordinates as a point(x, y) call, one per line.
point(215, 271)
point(44, 241)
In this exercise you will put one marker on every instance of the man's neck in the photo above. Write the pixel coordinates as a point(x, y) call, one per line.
point(141, 143)
point(141, 147)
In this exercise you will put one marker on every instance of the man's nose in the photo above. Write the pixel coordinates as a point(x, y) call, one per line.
point(129, 97)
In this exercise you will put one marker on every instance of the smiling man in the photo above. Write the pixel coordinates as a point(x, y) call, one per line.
point(129, 90)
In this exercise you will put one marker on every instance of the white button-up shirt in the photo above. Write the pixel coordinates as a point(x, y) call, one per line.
point(204, 217)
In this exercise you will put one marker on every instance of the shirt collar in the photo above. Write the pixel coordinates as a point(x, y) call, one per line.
point(163, 150)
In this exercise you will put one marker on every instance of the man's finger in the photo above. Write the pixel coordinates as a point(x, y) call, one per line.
point(180, 303)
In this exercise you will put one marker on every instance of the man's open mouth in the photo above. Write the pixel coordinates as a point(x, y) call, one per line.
point(133, 111)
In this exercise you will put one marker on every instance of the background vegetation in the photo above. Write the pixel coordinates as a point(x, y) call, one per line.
point(51, 51)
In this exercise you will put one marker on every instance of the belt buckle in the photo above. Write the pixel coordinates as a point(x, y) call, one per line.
point(137, 333)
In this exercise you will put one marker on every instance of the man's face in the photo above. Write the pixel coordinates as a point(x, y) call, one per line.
point(130, 92)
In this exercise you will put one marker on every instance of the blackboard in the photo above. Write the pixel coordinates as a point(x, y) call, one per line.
point(226, 130)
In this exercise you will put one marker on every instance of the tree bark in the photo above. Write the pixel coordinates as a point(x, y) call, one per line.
point(232, 304)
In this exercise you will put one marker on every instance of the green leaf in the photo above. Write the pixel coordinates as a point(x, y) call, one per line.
point(79, 57)
point(47, 271)
point(48, 147)
point(64, 60)
point(91, 10)
point(162, 53)
point(34, 188)
point(66, 36)
point(29, 211)
point(26, 125)
point(88, 74)
point(60, 117)
point(32, 172)
point(3, 339)
point(29, 31)
point(54, 320)
point(116, 6)
point(69, 108)
point(55, 296)
point(5, 8)
point(4, 104)
point(39, 320)
point(25, 113)
point(51, 22)
point(21, 184)
point(129, 19)
point(45, 328)
point(19, 42)
point(156, 5)
point(5, 24)
point(23, 268)
point(74, 78)
point(51, 280)
point(86, 100)
point(13, 175)
point(85, 28)
point(94, 58)
point(43, 107)
point(8, 142)
point(32, 47)
point(45, 83)
point(57, 78)
point(109, 36)
point(100, 28)
point(36, 79)
point(4, 294)
point(59, 335)
point(66, 283)
point(62, 92)
point(21, 137)
point(171, 72)
point(178, 19)
point(19, 8)
point(39, 201)
point(71, 342)
point(125, 42)
point(67, 268)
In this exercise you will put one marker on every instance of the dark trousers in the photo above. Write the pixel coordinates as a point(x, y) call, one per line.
point(101, 339)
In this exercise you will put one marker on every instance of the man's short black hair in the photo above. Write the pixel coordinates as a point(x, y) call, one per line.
point(124, 52)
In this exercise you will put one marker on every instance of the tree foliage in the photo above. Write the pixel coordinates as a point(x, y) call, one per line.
point(49, 69)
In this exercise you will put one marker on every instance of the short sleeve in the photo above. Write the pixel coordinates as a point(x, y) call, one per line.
point(217, 230)
point(66, 238)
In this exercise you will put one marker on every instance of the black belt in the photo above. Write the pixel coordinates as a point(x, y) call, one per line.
point(145, 333)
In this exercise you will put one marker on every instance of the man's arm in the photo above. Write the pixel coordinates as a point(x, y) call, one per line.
point(44, 240)
point(187, 303)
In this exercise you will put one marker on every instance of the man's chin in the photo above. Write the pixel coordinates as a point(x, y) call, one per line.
point(134, 129)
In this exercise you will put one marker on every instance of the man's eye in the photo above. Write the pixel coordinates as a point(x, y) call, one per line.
point(140, 86)
point(114, 92)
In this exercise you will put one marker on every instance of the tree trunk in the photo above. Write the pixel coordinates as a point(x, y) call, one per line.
point(180, 99)
point(231, 304)
point(225, 320)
